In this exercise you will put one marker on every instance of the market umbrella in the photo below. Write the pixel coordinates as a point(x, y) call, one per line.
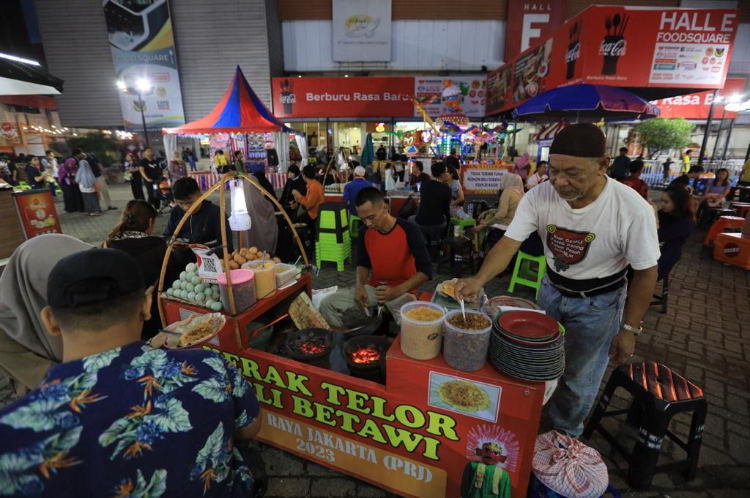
point(586, 103)
point(368, 151)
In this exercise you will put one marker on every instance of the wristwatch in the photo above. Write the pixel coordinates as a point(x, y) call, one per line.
point(636, 331)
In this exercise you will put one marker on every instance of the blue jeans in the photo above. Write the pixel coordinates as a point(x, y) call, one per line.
point(590, 324)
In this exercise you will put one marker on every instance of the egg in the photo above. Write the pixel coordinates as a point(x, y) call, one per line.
point(189, 287)
point(192, 267)
point(183, 275)
point(170, 292)
point(241, 260)
point(233, 265)
point(199, 288)
point(176, 284)
point(209, 302)
point(183, 285)
point(195, 280)
point(216, 306)
point(191, 296)
point(200, 297)
point(190, 276)
point(243, 251)
point(208, 291)
point(184, 294)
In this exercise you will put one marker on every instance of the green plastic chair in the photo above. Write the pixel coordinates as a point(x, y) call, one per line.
point(355, 223)
point(524, 275)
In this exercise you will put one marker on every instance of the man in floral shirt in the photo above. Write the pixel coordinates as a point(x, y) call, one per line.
point(117, 417)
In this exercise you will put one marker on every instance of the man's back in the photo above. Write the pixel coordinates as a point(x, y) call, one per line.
point(434, 206)
point(132, 421)
point(351, 190)
point(620, 167)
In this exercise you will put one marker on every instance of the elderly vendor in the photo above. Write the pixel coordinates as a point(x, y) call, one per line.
point(392, 262)
point(593, 229)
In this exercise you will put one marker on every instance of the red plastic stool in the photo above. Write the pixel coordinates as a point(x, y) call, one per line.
point(741, 208)
point(720, 225)
point(733, 249)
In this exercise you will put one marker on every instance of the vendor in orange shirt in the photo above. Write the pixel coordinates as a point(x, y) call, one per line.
point(312, 199)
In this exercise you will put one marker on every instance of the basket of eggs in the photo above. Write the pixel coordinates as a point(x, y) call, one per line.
point(246, 255)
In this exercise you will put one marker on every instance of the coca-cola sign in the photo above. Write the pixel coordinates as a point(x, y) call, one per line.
point(574, 53)
point(613, 48)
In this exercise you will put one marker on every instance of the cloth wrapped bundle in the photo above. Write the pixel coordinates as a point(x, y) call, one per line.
point(564, 466)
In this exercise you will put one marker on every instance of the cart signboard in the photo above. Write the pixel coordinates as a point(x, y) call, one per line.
point(37, 213)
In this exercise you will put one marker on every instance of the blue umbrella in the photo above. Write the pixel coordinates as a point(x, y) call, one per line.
point(586, 102)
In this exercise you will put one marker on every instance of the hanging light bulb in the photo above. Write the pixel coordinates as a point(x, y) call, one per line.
point(240, 220)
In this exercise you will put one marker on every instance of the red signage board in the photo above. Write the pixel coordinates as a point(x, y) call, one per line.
point(417, 435)
point(530, 20)
point(343, 97)
point(698, 105)
point(37, 213)
point(621, 46)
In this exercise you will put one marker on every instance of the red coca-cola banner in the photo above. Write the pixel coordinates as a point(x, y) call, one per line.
point(621, 46)
point(698, 105)
point(530, 20)
point(342, 97)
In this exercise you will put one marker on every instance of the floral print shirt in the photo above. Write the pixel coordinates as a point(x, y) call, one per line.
point(130, 422)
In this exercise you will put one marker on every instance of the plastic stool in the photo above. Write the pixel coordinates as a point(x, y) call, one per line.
point(465, 223)
point(720, 225)
point(733, 249)
point(355, 223)
point(658, 394)
point(522, 271)
point(333, 238)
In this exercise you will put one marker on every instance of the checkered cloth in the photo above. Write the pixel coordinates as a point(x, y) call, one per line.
point(567, 467)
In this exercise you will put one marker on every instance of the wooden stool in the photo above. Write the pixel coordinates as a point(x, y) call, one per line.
point(658, 394)
point(720, 225)
point(733, 249)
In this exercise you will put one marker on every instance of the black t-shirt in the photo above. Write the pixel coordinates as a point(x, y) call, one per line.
point(683, 180)
point(152, 169)
point(434, 207)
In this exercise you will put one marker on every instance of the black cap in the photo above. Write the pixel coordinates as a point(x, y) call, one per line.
point(93, 276)
point(580, 140)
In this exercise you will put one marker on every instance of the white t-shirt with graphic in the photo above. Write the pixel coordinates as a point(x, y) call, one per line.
point(599, 240)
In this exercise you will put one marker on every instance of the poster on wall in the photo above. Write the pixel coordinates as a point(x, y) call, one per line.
point(454, 95)
point(361, 30)
point(142, 44)
point(36, 210)
point(530, 72)
point(482, 179)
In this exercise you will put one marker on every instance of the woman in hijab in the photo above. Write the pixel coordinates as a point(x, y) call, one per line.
point(87, 183)
point(523, 166)
point(66, 177)
point(264, 231)
point(26, 349)
point(512, 192)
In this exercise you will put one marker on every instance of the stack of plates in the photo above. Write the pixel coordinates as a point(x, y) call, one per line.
point(498, 302)
point(527, 345)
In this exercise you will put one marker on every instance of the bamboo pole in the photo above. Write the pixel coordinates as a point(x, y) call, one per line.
point(193, 208)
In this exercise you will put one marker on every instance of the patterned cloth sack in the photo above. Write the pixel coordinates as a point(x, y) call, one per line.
point(565, 467)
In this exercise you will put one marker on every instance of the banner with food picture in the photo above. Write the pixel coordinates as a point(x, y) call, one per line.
point(37, 213)
point(621, 46)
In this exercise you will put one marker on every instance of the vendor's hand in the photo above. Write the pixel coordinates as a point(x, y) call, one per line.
point(295, 193)
point(360, 296)
point(384, 293)
point(160, 339)
point(623, 347)
point(468, 289)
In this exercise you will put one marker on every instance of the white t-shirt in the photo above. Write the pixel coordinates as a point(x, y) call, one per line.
point(599, 240)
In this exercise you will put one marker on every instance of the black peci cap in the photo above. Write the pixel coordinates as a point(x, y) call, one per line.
point(580, 140)
point(93, 276)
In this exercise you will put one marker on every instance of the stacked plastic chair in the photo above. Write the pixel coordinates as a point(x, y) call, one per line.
point(334, 241)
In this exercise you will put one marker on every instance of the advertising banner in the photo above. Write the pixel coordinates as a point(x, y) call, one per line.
point(142, 43)
point(37, 212)
point(530, 20)
point(460, 95)
point(625, 47)
point(482, 178)
point(343, 97)
point(698, 105)
point(361, 30)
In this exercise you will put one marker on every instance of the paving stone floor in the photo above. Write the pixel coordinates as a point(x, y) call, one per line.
point(705, 335)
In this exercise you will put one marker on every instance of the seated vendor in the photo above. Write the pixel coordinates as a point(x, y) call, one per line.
point(390, 251)
point(512, 193)
point(203, 226)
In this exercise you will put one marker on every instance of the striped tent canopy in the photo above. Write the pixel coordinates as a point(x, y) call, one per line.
point(239, 111)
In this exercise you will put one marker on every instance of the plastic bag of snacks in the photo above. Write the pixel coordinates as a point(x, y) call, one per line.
point(565, 467)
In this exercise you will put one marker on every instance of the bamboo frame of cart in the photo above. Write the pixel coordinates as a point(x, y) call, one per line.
point(221, 186)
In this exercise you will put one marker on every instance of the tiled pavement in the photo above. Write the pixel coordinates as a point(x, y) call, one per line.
point(705, 335)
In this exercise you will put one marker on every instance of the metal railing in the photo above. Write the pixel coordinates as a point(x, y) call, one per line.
point(653, 172)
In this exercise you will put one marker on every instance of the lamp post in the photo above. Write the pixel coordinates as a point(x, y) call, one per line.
point(142, 87)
